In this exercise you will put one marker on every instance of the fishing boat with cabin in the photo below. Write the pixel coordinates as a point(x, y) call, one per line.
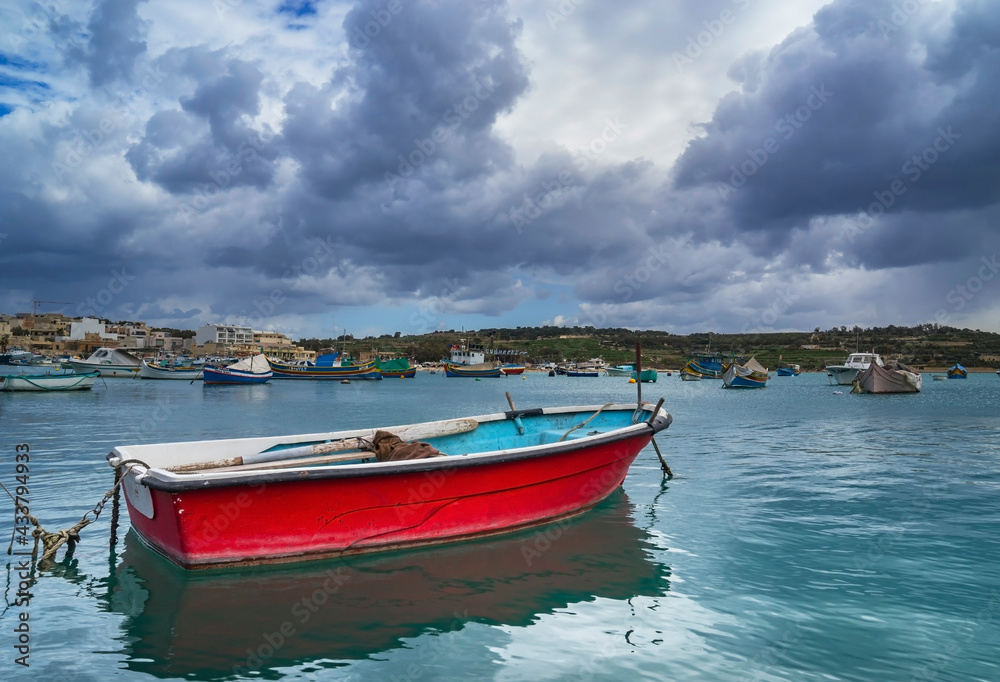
point(288, 498)
point(470, 363)
point(110, 362)
point(708, 365)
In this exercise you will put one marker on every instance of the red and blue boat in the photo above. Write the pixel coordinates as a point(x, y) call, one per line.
point(289, 498)
point(327, 366)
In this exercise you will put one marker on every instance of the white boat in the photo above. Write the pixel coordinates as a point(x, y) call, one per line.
point(15, 355)
point(844, 375)
point(620, 370)
point(891, 378)
point(48, 382)
point(690, 376)
point(148, 371)
point(110, 362)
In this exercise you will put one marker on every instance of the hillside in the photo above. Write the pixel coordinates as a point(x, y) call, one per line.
point(925, 346)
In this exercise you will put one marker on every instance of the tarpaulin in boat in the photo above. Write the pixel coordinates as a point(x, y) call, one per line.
point(391, 448)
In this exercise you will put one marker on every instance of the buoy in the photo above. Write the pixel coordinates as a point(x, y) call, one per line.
point(477, 378)
point(631, 381)
point(345, 381)
point(524, 378)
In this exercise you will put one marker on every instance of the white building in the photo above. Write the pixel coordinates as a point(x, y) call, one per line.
point(88, 325)
point(224, 334)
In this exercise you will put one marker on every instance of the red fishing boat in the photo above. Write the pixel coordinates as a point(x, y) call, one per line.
point(253, 500)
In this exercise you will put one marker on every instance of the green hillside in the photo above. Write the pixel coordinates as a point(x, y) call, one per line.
point(920, 347)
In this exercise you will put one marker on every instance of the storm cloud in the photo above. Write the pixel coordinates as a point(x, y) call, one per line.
point(504, 163)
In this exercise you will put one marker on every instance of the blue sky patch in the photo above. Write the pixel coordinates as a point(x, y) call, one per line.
point(15, 62)
point(298, 8)
point(5, 109)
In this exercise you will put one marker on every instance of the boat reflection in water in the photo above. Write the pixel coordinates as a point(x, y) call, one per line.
point(221, 622)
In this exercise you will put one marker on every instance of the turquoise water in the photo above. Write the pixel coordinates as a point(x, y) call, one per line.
point(806, 536)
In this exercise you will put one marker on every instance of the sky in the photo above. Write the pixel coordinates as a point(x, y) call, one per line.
point(316, 166)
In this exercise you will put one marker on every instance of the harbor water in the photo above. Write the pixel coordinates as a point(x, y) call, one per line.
point(808, 534)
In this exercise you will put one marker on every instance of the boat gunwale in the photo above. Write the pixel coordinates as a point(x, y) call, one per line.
point(157, 478)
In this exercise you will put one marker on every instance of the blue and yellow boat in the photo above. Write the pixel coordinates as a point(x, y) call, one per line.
point(707, 365)
point(325, 367)
point(958, 372)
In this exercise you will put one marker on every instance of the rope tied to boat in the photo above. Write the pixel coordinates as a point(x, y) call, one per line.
point(582, 424)
point(51, 542)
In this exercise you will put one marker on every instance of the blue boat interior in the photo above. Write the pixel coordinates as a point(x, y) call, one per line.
point(522, 429)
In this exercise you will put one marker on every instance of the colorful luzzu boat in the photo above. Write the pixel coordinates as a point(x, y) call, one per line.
point(751, 374)
point(253, 500)
point(325, 367)
point(398, 368)
point(708, 365)
point(958, 372)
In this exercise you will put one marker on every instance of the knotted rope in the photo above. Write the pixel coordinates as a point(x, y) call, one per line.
point(51, 542)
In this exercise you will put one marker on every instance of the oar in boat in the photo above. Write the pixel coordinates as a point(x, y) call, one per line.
point(409, 433)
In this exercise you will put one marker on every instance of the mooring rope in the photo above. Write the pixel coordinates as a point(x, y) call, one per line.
point(581, 425)
point(51, 542)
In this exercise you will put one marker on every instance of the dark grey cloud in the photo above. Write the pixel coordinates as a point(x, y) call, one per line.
point(113, 43)
point(209, 144)
point(388, 183)
point(829, 120)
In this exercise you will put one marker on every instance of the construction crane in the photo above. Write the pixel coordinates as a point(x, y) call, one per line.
point(34, 308)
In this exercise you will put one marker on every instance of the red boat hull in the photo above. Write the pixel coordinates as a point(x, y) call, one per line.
point(317, 517)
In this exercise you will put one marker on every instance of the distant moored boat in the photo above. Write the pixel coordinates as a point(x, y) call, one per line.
point(958, 372)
